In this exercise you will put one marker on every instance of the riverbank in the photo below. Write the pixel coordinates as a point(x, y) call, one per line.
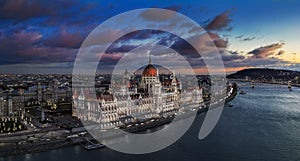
point(264, 82)
point(63, 139)
point(9, 149)
point(263, 124)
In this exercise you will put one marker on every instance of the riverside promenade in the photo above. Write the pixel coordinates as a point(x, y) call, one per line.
point(38, 140)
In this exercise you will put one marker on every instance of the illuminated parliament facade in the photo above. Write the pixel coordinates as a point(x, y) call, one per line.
point(127, 101)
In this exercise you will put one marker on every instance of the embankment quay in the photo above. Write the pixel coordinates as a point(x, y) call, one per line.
point(265, 82)
point(53, 138)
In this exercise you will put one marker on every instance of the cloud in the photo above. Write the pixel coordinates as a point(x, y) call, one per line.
point(239, 36)
point(111, 57)
point(40, 14)
point(236, 60)
point(153, 15)
point(122, 48)
point(216, 40)
point(259, 57)
point(13, 45)
point(141, 35)
point(184, 48)
point(265, 51)
point(66, 39)
point(231, 56)
point(281, 52)
point(26, 47)
point(34, 32)
point(27, 9)
point(20, 9)
point(249, 38)
point(58, 68)
point(242, 38)
point(221, 43)
point(220, 22)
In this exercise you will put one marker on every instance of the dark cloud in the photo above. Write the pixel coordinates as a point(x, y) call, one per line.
point(123, 45)
point(235, 52)
point(167, 40)
point(265, 51)
point(242, 38)
point(115, 48)
point(221, 43)
point(249, 38)
point(184, 48)
point(33, 32)
point(239, 36)
point(111, 58)
point(236, 59)
point(27, 9)
point(13, 45)
point(232, 57)
point(220, 22)
point(158, 37)
point(65, 39)
point(141, 35)
point(20, 9)
point(26, 47)
point(217, 40)
point(281, 52)
point(39, 13)
point(181, 46)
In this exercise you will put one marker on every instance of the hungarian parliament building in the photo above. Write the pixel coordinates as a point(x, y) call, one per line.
point(129, 99)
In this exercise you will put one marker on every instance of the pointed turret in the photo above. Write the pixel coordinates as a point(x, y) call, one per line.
point(150, 61)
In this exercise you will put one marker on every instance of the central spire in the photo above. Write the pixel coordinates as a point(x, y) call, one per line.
point(150, 62)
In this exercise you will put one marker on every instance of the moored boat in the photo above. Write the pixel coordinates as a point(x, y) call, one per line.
point(94, 146)
point(290, 85)
point(242, 92)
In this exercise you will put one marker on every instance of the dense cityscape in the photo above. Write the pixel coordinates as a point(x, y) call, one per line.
point(32, 106)
point(43, 112)
point(149, 80)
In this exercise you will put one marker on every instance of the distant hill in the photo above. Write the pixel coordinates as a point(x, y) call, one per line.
point(266, 74)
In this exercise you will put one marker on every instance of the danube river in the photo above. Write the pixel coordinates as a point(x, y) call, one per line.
point(263, 124)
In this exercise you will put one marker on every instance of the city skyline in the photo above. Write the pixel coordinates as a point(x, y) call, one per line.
point(149, 80)
point(42, 37)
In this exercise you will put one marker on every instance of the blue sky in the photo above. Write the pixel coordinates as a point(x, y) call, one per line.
point(44, 36)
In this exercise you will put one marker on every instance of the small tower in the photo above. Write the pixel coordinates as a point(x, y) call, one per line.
point(174, 82)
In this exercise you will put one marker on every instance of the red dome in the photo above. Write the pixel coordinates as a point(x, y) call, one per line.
point(150, 71)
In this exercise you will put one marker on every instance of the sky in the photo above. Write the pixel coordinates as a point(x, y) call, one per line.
point(45, 36)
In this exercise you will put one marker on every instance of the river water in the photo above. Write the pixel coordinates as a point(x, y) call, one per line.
point(263, 124)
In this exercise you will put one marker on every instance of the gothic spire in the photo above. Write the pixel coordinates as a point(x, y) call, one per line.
point(150, 62)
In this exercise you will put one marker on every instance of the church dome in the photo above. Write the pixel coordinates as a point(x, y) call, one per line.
point(150, 71)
